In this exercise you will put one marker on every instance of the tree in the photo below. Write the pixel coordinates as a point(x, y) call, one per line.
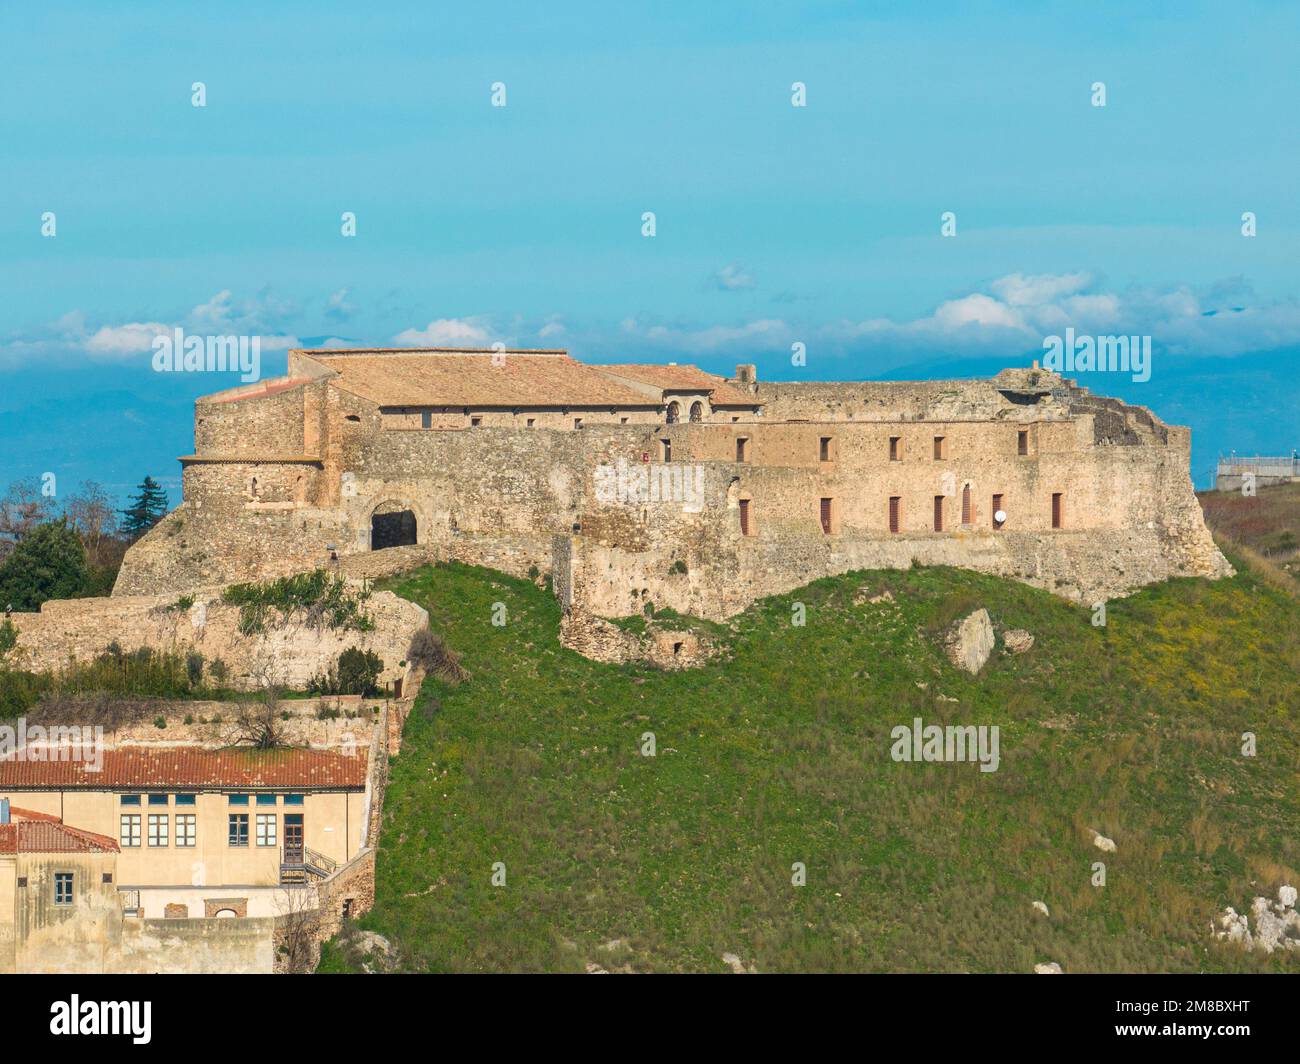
point(90, 511)
point(48, 562)
point(24, 508)
point(146, 509)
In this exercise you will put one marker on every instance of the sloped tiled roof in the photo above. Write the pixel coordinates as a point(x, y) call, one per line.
point(406, 377)
point(32, 832)
point(683, 379)
point(143, 768)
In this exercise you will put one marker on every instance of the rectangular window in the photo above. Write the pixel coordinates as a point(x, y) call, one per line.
point(130, 830)
point(237, 799)
point(746, 529)
point(531, 422)
point(476, 421)
point(157, 829)
point(266, 799)
point(577, 422)
point(1058, 510)
point(185, 829)
point(185, 799)
point(62, 888)
point(238, 829)
point(1022, 441)
point(895, 448)
point(938, 513)
point(130, 799)
point(157, 799)
point(742, 449)
point(895, 512)
point(426, 419)
point(666, 450)
point(827, 507)
point(998, 519)
point(293, 799)
point(940, 448)
point(824, 450)
point(266, 824)
point(622, 421)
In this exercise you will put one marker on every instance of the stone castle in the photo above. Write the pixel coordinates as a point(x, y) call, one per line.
point(640, 484)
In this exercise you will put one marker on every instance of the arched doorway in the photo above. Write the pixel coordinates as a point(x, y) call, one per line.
point(697, 412)
point(394, 528)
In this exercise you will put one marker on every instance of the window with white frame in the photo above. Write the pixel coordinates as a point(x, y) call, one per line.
point(130, 833)
point(185, 829)
point(157, 829)
point(266, 826)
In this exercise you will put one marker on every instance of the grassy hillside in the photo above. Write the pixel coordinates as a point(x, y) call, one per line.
point(1265, 527)
point(780, 753)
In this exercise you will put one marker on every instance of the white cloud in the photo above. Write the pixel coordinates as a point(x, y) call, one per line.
point(733, 277)
point(118, 340)
point(446, 331)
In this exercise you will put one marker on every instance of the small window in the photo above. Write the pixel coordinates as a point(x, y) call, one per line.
point(238, 834)
point(940, 448)
point(352, 417)
point(293, 799)
point(824, 449)
point(108, 877)
point(475, 422)
point(666, 450)
point(1022, 441)
point(266, 825)
point(266, 799)
point(185, 829)
point(938, 513)
point(185, 799)
point(827, 516)
point(158, 799)
point(62, 888)
point(129, 834)
point(158, 829)
point(532, 421)
point(895, 448)
point(130, 799)
point(895, 512)
point(237, 799)
point(426, 419)
point(967, 506)
point(999, 517)
point(746, 527)
point(742, 449)
point(577, 422)
point(1058, 510)
point(622, 421)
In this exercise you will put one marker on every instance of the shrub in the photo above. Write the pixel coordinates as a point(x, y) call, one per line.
point(435, 657)
point(326, 600)
point(358, 671)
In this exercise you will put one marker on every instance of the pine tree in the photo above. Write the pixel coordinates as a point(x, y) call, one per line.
point(146, 509)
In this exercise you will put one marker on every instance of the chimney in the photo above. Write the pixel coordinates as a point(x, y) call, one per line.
point(4, 810)
point(746, 374)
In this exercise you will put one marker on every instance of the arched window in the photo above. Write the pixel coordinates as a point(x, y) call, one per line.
point(674, 412)
point(697, 411)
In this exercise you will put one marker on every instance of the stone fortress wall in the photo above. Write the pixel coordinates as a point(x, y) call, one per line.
point(289, 472)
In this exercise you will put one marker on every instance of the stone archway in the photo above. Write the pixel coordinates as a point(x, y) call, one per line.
point(393, 524)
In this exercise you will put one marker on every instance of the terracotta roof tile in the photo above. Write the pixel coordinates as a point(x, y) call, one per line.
point(143, 768)
point(407, 377)
point(41, 833)
point(684, 378)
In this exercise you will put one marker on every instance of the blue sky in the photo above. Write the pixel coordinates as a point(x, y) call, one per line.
point(522, 223)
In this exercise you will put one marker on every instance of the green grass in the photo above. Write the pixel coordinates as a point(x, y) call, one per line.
point(779, 752)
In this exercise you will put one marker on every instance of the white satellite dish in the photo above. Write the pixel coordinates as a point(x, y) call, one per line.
point(1000, 516)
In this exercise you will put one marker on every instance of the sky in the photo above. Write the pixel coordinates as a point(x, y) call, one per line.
point(774, 224)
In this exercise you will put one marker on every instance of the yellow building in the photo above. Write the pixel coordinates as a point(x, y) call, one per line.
point(202, 832)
